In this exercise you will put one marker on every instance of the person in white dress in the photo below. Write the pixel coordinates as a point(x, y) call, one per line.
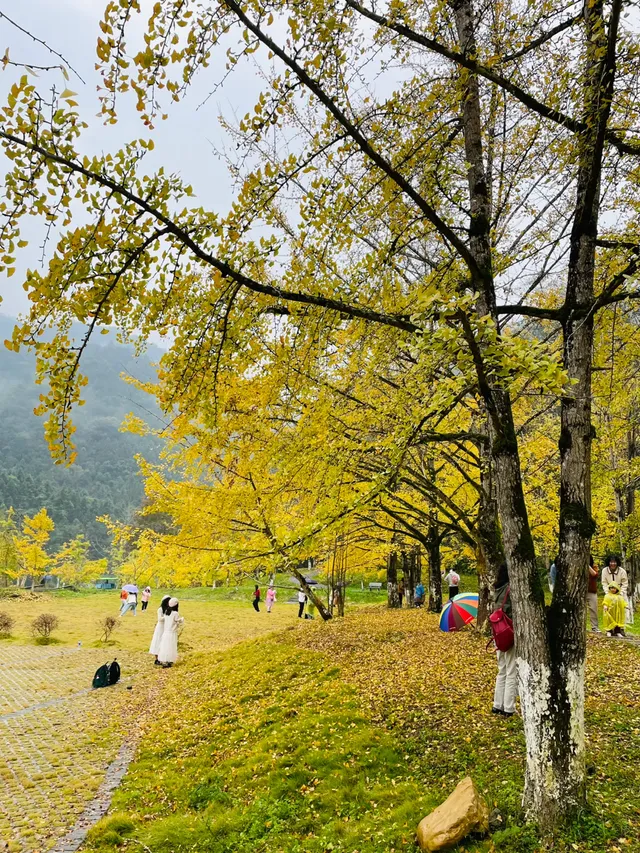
point(168, 653)
point(154, 648)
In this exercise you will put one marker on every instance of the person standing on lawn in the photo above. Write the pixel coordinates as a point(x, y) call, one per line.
point(154, 648)
point(130, 603)
point(256, 599)
point(506, 689)
point(613, 571)
point(146, 595)
point(592, 594)
point(168, 653)
point(271, 597)
point(452, 579)
point(302, 600)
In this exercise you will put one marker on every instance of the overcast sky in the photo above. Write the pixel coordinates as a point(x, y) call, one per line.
point(184, 143)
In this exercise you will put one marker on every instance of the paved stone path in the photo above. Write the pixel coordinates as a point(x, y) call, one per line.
point(63, 746)
point(97, 808)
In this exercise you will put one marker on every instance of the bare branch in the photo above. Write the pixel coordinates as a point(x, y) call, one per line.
point(545, 37)
point(43, 44)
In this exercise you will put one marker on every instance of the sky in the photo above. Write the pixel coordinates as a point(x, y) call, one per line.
point(186, 143)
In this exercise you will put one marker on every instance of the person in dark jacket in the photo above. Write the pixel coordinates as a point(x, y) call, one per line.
point(506, 689)
point(256, 599)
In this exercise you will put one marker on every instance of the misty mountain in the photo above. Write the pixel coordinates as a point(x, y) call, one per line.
point(104, 478)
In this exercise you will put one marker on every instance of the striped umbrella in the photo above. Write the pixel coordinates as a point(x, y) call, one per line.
point(468, 600)
point(459, 611)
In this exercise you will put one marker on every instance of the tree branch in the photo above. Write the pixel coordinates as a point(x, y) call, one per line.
point(545, 37)
point(41, 42)
point(531, 311)
point(356, 311)
point(525, 98)
point(429, 212)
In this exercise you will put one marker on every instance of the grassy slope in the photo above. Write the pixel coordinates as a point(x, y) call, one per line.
point(265, 748)
point(342, 736)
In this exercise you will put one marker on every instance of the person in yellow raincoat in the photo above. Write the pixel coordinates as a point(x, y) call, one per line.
point(614, 611)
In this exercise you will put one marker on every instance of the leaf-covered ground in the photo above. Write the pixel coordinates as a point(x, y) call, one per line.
point(341, 737)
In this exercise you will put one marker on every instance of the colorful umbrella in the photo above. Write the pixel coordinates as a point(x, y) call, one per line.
point(468, 600)
point(459, 612)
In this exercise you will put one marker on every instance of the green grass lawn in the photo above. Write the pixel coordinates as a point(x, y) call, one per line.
point(209, 623)
point(341, 737)
point(277, 735)
point(266, 748)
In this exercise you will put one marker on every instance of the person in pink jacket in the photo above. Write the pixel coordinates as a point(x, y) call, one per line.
point(271, 597)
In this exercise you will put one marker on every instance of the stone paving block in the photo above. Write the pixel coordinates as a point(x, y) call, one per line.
point(58, 737)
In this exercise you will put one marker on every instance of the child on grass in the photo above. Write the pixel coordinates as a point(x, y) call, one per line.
point(614, 611)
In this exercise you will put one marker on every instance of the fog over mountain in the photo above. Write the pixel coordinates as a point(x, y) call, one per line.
point(104, 478)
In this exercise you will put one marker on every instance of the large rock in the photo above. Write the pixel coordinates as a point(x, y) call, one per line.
point(463, 812)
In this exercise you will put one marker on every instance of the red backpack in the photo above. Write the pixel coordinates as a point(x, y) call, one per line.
point(501, 627)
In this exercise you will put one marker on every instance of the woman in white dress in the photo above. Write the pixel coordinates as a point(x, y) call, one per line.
point(168, 653)
point(154, 648)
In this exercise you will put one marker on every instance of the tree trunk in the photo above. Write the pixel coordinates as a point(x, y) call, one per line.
point(630, 506)
point(417, 558)
point(393, 599)
point(435, 566)
point(490, 554)
point(408, 578)
point(310, 592)
point(550, 650)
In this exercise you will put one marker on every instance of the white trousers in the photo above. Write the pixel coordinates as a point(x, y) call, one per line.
point(504, 696)
point(592, 609)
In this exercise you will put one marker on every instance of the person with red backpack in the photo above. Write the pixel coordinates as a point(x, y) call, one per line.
point(506, 689)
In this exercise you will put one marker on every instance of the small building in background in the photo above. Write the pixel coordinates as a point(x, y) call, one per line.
point(107, 583)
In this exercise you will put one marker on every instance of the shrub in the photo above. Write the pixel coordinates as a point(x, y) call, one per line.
point(6, 624)
point(107, 627)
point(43, 625)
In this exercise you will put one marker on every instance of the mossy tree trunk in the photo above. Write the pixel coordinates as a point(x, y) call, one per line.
point(551, 645)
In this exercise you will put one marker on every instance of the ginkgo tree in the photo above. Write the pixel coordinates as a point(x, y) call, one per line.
point(9, 557)
point(33, 559)
point(616, 464)
point(72, 564)
point(431, 205)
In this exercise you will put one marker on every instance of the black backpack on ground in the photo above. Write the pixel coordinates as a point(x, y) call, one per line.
point(108, 673)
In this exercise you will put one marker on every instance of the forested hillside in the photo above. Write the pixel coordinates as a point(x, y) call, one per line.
point(104, 478)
